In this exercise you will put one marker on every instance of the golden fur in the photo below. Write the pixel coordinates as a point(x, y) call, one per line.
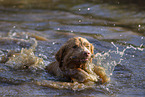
point(74, 61)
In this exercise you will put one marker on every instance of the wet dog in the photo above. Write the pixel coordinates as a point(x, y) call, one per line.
point(74, 62)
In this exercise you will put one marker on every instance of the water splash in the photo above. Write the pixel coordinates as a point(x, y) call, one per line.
point(110, 59)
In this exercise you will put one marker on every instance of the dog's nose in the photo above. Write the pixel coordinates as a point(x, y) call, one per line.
point(86, 53)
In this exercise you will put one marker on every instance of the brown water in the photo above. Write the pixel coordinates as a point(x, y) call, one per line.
point(113, 27)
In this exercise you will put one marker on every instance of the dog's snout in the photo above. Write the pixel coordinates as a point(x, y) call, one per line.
point(86, 53)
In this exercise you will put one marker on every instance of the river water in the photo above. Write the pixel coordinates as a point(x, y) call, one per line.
point(115, 28)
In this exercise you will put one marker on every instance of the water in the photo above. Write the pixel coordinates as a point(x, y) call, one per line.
point(116, 29)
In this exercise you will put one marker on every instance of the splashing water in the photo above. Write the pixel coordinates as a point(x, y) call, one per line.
point(110, 59)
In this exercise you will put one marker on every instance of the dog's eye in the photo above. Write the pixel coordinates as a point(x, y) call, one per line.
point(75, 46)
point(88, 46)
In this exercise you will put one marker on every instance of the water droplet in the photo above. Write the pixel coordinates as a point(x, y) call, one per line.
point(80, 21)
point(58, 28)
point(14, 34)
point(141, 45)
point(53, 42)
point(27, 36)
point(14, 26)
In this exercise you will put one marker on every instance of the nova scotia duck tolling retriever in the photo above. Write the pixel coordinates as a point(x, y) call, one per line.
point(74, 62)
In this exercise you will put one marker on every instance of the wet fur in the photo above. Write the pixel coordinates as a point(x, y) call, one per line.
point(73, 63)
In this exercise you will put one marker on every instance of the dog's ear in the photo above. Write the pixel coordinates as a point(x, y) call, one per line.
point(92, 51)
point(92, 48)
point(60, 55)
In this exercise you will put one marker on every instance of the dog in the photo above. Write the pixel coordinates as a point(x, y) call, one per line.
point(74, 62)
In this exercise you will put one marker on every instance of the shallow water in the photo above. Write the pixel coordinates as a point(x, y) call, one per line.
point(112, 27)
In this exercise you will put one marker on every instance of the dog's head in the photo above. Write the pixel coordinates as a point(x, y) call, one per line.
point(75, 53)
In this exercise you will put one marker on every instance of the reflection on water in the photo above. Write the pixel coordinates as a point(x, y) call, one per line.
point(116, 28)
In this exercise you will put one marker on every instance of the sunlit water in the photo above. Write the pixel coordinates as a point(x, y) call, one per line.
point(117, 32)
